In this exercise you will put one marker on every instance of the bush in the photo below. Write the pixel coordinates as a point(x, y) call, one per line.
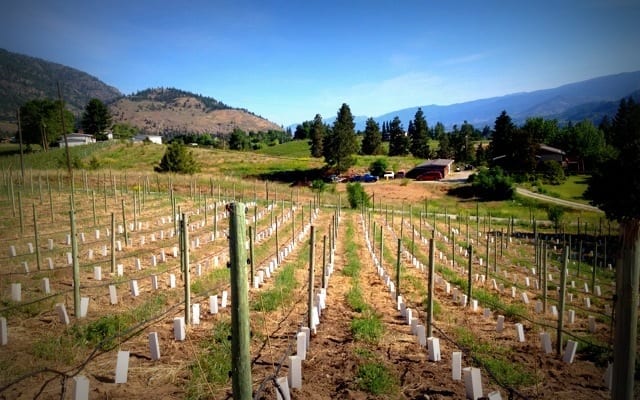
point(357, 195)
point(378, 167)
point(492, 184)
point(552, 172)
point(177, 159)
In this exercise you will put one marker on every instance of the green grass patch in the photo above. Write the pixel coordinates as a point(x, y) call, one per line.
point(571, 189)
point(495, 359)
point(356, 300)
point(292, 149)
point(376, 378)
point(282, 292)
point(213, 364)
point(367, 328)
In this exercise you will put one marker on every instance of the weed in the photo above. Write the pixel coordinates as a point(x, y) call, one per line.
point(367, 328)
point(213, 364)
point(375, 378)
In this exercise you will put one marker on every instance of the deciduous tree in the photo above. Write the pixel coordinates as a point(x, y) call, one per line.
point(41, 124)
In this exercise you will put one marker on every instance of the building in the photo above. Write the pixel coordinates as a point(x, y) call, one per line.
point(76, 139)
point(441, 165)
point(547, 153)
point(151, 138)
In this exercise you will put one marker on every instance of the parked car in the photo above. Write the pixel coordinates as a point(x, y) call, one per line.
point(430, 176)
point(369, 178)
point(388, 175)
point(400, 174)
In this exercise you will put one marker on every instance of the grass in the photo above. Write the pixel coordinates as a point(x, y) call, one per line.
point(368, 327)
point(376, 378)
point(571, 189)
point(292, 149)
point(282, 292)
point(213, 363)
point(495, 359)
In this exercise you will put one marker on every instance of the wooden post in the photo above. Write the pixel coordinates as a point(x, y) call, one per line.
point(50, 201)
point(240, 330)
point(544, 278)
point(469, 275)
point(626, 310)
point(579, 257)
point(595, 264)
point(324, 261)
point(251, 254)
point(381, 245)
point(215, 220)
point(20, 213)
point(312, 253)
point(37, 239)
point(398, 268)
point(430, 287)
point(563, 288)
point(113, 243)
point(184, 258)
point(76, 264)
point(93, 202)
point(124, 225)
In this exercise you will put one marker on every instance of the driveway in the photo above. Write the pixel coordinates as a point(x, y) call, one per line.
point(560, 202)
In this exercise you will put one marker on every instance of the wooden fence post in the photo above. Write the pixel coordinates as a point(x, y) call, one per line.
point(37, 239)
point(626, 310)
point(113, 243)
point(563, 288)
point(240, 330)
point(470, 250)
point(312, 254)
point(430, 288)
point(184, 258)
point(398, 268)
point(76, 264)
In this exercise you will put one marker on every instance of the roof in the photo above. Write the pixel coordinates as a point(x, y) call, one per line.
point(550, 149)
point(438, 162)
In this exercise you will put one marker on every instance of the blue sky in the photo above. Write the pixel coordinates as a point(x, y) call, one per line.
point(289, 60)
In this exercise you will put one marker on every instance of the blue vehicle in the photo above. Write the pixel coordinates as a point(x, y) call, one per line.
point(369, 178)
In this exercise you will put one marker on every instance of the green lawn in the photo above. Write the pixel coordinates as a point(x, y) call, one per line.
point(294, 148)
point(572, 189)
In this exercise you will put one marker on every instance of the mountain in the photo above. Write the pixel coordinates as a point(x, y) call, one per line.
point(169, 111)
point(590, 99)
point(24, 78)
point(164, 111)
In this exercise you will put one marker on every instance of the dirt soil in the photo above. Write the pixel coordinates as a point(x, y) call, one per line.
point(330, 369)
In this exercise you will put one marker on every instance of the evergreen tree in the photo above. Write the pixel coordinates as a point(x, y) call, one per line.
point(341, 142)
point(372, 140)
point(238, 140)
point(303, 131)
point(398, 140)
point(177, 159)
point(41, 124)
point(418, 134)
point(316, 136)
point(502, 139)
point(438, 131)
point(96, 119)
point(444, 146)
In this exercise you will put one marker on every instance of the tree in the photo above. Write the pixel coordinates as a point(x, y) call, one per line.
point(177, 159)
point(238, 140)
point(357, 196)
point(555, 214)
point(303, 131)
point(615, 188)
point(41, 124)
point(502, 138)
point(444, 146)
point(124, 131)
point(492, 184)
point(419, 136)
point(316, 135)
point(378, 167)
point(96, 119)
point(398, 141)
point(341, 142)
point(372, 140)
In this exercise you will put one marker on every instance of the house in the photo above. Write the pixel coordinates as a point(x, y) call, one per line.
point(441, 165)
point(547, 153)
point(76, 139)
point(152, 138)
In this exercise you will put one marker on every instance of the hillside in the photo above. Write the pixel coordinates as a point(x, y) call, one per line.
point(24, 78)
point(591, 99)
point(168, 111)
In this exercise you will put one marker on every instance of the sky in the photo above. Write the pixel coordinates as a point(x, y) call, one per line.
point(290, 60)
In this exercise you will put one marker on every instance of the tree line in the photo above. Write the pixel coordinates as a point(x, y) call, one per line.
point(516, 146)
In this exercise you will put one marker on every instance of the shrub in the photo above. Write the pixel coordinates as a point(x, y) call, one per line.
point(177, 159)
point(378, 167)
point(492, 184)
point(552, 172)
point(357, 195)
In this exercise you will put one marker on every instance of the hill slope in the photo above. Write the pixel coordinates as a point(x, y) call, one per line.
point(24, 78)
point(168, 112)
point(548, 103)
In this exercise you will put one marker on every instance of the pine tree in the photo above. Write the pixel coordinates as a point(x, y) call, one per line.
point(372, 140)
point(398, 141)
point(177, 159)
point(341, 142)
point(96, 119)
point(418, 134)
point(317, 134)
